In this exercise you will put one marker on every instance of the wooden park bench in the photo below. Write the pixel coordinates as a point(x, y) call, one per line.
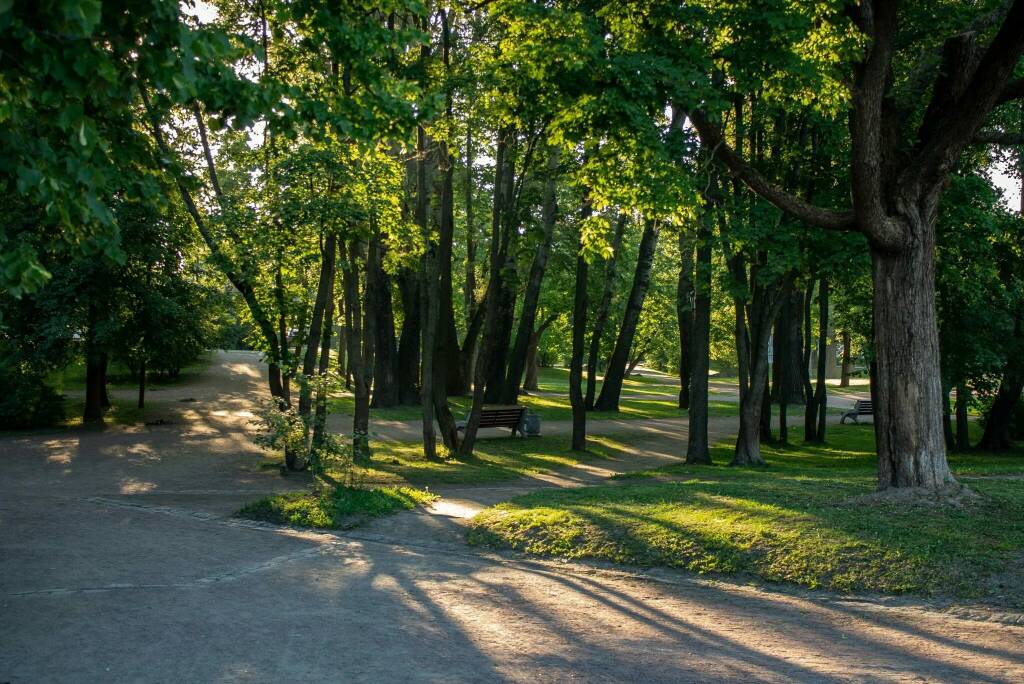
point(862, 407)
point(500, 416)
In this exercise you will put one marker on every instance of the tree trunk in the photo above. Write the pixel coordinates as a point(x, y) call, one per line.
point(104, 394)
point(697, 444)
point(947, 422)
point(579, 331)
point(378, 303)
point(469, 283)
point(685, 317)
point(787, 379)
point(322, 394)
point(142, 381)
point(470, 345)
point(998, 422)
point(480, 370)
point(360, 353)
point(908, 389)
point(811, 408)
point(844, 378)
point(528, 316)
point(601, 316)
point(611, 388)
point(409, 340)
point(820, 395)
point(963, 435)
point(532, 372)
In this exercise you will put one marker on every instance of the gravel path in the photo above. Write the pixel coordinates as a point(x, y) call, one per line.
point(119, 563)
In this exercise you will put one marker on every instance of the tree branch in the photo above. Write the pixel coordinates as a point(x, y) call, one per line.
point(1014, 90)
point(711, 137)
point(997, 138)
point(950, 133)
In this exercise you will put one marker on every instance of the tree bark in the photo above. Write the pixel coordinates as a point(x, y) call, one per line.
point(360, 352)
point(378, 303)
point(409, 340)
point(844, 378)
point(579, 331)
point(532, 371)
point(685, 305)
point(601, 316)
point(611, 388)
point(697, 444)
point(322, 394)
point(963, 435)
point(820, 395)
point(142, 381)
point(908, 392)
point(528, 316)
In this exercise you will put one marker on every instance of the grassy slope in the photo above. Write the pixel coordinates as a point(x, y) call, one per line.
point(341, 508)
point(792, 521)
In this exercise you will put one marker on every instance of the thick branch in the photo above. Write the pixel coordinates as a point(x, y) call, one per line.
point(711, 137)
point(961, 121)
point(1014, 90)
point(997, 138)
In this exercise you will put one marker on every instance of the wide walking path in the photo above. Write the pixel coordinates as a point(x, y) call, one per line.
point(119, 563)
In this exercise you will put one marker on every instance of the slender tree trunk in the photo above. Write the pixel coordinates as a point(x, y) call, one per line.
point(322, 394)
point(579, 331)
point(601, 316)
point(470, 345)
point(997, 435)
point(947, 421)
point(104, 394)
point(685, 316)
point(409, 340)
point(469, 283)
point(820, 395)
point(360, 353)
point(532, 372)
point(378, 304)
point(963, 434)
point(844, 379)
point(697, 443)
point(480, 371)
point(811, 408)
point(520, 348)
point(611, 388)
point(142, 380)
point(908, 391)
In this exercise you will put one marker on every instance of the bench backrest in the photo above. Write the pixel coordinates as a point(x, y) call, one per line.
point(501, 417)
point(863, 407)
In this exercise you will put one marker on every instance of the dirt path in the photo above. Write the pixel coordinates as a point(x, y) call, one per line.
point(118, 563)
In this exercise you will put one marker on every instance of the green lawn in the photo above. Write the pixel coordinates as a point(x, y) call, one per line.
point(340, 508)
point(495, 460)
point(795, 521)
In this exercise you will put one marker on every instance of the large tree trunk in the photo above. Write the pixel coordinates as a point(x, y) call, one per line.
point(811, 408)
point(527, 318)
point(787, 379)
point(601, 316)
point(469, 283)
point(908, 391)
point(611, 388)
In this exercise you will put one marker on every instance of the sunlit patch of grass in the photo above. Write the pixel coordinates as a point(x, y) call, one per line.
point(494, 460)
point(340, 508)
point(788, 522)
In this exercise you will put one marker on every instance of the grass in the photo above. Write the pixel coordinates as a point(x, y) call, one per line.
point(340, 508)
point(795, 521)
point(495, 460)
point(72, 378)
